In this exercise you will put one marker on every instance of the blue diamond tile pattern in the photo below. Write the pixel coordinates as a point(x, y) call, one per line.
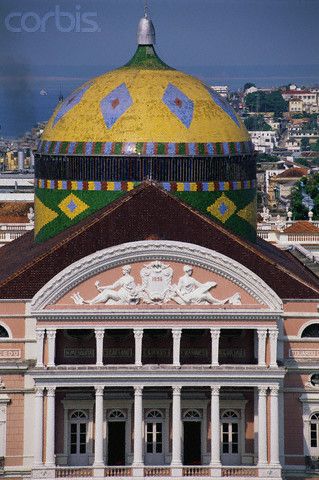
point(223, 208)
point(70, 103)
point(179, 104)
point(72, 206)
point(224, 105)
point(115, 104)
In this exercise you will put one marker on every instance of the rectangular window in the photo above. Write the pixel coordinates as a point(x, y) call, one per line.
point(313, 435)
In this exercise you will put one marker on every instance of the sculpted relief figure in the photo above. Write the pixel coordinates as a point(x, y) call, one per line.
point(156, 288)
point(124, 291)
point(191, 291)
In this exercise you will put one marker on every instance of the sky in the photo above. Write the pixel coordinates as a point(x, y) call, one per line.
point(48, 43)
point(189, 32)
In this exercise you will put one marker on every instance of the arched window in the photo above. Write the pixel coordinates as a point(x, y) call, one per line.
point(154, 414)
point(192, 415)
point(78, 435)
point(117, 415)
point(312, 331)
point(314, 430)
point(154, 435)
point(230, 432)
point(3, 332)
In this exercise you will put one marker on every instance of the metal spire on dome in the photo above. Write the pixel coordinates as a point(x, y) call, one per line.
point(146, 30)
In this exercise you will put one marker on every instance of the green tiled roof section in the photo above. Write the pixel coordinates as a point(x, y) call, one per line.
point(145, 57)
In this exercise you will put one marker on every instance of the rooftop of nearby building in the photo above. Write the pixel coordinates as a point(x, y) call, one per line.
point(302, 226)
point(294, 172)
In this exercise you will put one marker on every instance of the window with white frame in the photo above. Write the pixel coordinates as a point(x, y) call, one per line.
point(230, 432)
point(78, 433)
point(314, 430)
point(154, 432)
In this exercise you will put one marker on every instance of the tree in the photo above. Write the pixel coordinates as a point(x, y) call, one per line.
point(304, 143)
point(315, 146)
point(266, 102)
point(256, 122)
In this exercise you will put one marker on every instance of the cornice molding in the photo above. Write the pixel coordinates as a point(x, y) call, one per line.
point(147, 250)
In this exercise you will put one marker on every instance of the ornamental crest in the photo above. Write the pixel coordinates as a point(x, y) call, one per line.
point(156, 283)
point(156, 288)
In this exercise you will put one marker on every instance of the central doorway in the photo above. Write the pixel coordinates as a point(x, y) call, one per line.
point(192, 453)
point(116, 438)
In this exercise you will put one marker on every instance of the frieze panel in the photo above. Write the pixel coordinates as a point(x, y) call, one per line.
point(156, 287)
point(155, 274)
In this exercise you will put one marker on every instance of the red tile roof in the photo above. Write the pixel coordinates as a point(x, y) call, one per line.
point(302, 226)
point(146, 212)
point(294, 172)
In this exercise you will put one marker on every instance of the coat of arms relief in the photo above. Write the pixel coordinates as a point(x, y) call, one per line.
point(156, 288)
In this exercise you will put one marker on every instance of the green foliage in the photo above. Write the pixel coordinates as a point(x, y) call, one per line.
point(266, 102)
point(304, 143)
point(265, 157)
point(256, 122)
point(315, 146)
point(310, 186)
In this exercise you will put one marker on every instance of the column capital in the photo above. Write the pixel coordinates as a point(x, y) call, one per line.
point(138, 333)
point(176, 390)
point(99, 333)
point(262, 333)
point(51, 333)
point(99, 390)
point(39, 391)
point(138, 390)
point(40, 332)
point(274, 390)
point(51, 391)
point(215, 389)
point(262, 390)
point(177, 333)
point(273, 334)
point(215, 333)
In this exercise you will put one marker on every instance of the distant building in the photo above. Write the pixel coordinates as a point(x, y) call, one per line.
point(264, 141)
point(222, 90)
point(280, 186)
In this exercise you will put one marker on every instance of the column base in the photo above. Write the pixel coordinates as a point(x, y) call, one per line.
point(215, 470)
point(138, 470)
point(98, 471)
point(177, 470)
point(43, 472)
point(269, 471)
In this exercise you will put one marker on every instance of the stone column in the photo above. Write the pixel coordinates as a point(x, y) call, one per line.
point(40, 339)
point(38, 427)
point(262, 334)
point(177, 334)
point(274, 425)
point(138, 336)
point(99, 337)
point(215, 427)
point(50, 433)
point(215, 334)
point(177, 428)
point(51, 334)
point(98, 452)
point(262, 425)
point(138, 426)
point(273, 335)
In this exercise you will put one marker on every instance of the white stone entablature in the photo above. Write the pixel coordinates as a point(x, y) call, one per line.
point(163, 251)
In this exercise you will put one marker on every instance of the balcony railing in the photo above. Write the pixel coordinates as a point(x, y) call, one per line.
point(239, 472)
point(73, 472)
point(157, 472)
point(196, 472)
point(118, 472)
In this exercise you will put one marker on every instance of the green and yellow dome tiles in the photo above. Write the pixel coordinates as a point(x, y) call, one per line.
point(144, 120)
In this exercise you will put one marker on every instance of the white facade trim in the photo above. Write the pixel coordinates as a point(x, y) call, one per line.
point(155, 250)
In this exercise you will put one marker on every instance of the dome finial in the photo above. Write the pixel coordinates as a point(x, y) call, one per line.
point(146, 30)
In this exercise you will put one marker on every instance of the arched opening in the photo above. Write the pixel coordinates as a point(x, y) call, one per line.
point(4, 332)
point(78, 441)
point(154, 437)
point(312, 331)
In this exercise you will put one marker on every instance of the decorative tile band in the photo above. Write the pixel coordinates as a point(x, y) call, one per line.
point(147, 149)
point(127, 186)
